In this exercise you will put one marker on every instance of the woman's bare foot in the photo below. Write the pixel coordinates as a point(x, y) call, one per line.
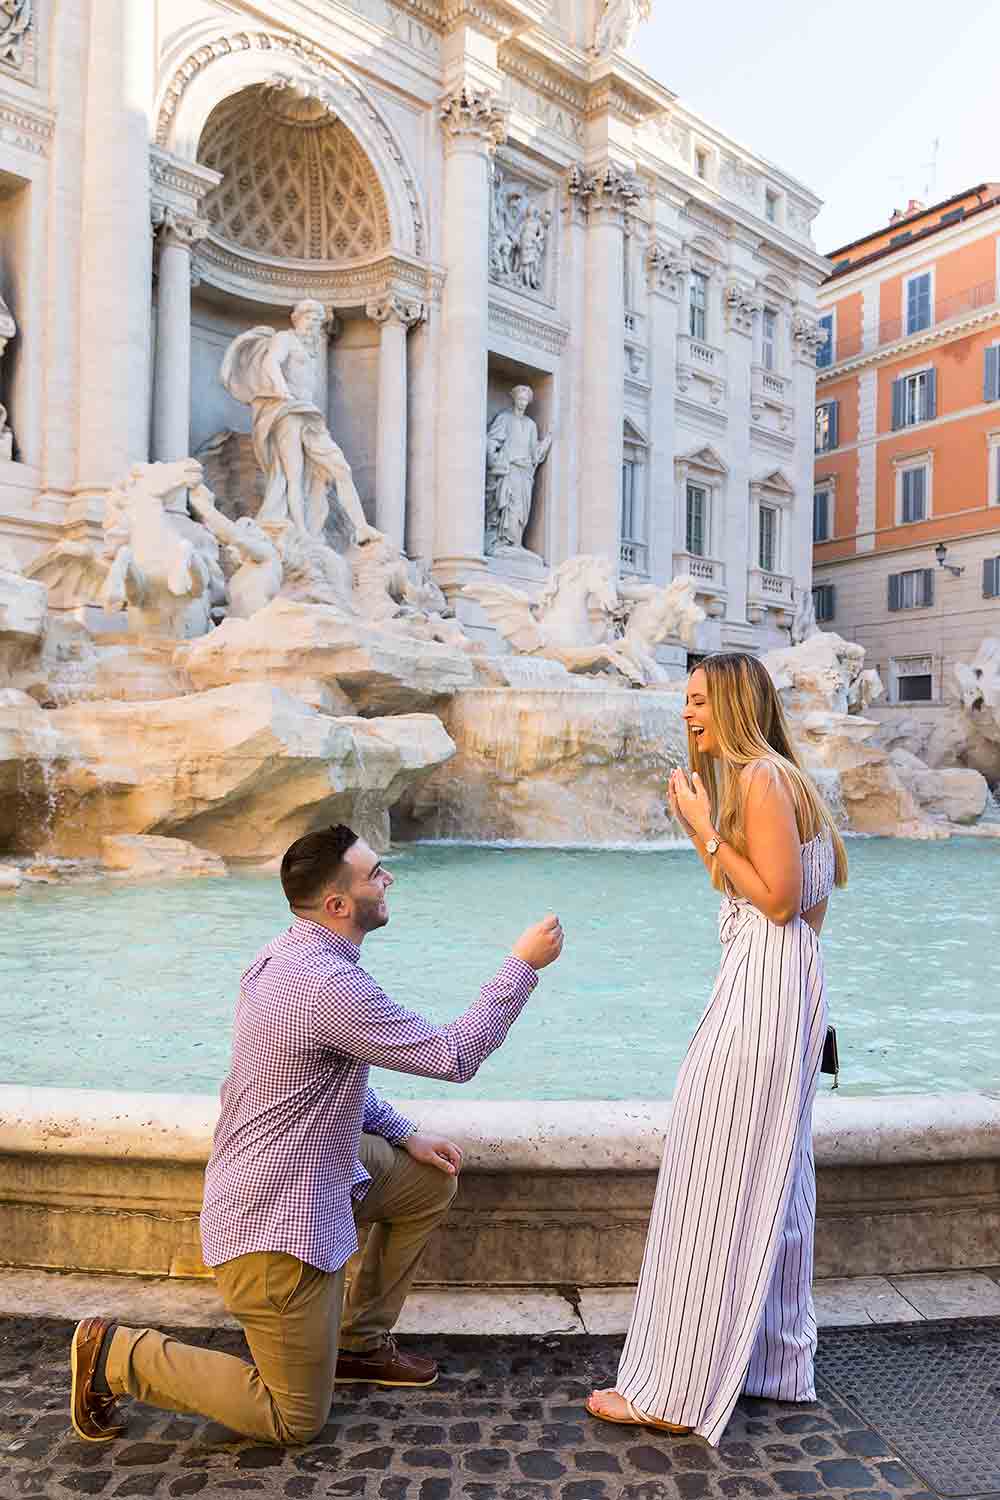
point(609, 1406)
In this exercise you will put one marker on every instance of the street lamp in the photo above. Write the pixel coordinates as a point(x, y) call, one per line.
point(941, 552)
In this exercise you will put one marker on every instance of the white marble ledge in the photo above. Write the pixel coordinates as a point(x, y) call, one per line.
point(169, 1302)
point(505, 1136)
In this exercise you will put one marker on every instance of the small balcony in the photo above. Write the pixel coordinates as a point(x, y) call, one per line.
point(708, 573)
point(634, 558)
point(701, 362)
point(770, 391)
point(767, 590)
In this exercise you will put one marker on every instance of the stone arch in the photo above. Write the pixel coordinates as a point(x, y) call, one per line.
point(226, 64)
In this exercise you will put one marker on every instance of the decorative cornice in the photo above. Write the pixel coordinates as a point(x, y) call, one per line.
point(473, 114)
point(225, 266)
point(666, 269)
point(520, 327)
point(28, 128)
point(539, 75)
point(390, 307)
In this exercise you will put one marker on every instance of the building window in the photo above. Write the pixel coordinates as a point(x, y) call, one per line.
point(911, 590)
point(991, 578)
point(918, 302)
point(826, 426)
point(821, 515)
point(701, 163)
point(824, 356)
point(767, 549)
point(633, 529)
point(769, 346)
point(991, 378)
point(771, 206)
point(696, 536)
point(698, 306)
point(913, 494)
point(914, 679)
point(824, 603)
point(914, 399)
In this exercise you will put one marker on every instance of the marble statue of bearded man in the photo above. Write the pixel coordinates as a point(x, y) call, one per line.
point(278, 376)
point(513, 453)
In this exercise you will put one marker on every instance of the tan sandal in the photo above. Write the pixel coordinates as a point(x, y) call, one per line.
point(635, 1417)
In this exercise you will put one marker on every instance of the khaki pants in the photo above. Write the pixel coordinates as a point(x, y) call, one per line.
point(291, 1315)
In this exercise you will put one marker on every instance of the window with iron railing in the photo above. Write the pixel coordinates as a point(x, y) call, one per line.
point(945, 308)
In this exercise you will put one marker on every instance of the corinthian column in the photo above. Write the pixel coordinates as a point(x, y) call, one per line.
point(473, 127)
point(604, 197)
point(395, 317)
point(172, 369)
point(116, 244)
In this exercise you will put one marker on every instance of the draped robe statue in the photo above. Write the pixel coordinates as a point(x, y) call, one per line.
point(513, 454)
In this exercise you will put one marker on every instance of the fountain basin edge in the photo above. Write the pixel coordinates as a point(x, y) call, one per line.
point(552, 1191)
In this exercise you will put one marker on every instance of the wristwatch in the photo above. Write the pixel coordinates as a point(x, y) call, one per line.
point(712, 845)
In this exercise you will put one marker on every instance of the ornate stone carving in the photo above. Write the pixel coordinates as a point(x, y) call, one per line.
point(666, 269)
point(391, 306)
point(277, 376)
point(808, 336)
point(250, 559)
point(177, 228)
point(519, 229)
point(739, 179)
point(606, 191)
point(514, 452)
point(617, 24)
point(740, 305)
point(316, 77)
point(296, 184)
point(15, 23)
point(513, 323)
point(473, 113)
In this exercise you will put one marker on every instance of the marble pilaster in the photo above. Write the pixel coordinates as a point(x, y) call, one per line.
point(665, 271)
point(172, 364)
point(473, 126)
point(395, 316)
point(807, 340)
point(116, 245)
point(740, 547)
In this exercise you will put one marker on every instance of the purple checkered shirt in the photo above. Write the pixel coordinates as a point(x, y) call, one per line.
point(309, 1022)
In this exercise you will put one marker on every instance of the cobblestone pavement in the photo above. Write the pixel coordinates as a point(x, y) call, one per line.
point(505, 1422)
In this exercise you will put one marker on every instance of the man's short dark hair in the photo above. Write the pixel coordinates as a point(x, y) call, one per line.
point(314, 862)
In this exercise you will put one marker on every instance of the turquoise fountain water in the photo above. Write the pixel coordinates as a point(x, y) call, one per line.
point(128, 986)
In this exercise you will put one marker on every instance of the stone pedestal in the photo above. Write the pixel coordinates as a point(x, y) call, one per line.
point(473, 126)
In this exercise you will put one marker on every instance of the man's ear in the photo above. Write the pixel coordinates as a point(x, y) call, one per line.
point(337, 904)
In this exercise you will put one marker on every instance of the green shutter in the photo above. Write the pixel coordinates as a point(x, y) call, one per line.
point(928, 586)
point(991, 378)
point(894, 587)
point(834, 424)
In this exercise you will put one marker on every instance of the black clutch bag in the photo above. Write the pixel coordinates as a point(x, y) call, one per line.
point(830, 1061)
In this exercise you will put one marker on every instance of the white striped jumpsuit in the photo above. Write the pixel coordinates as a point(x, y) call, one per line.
point(724, 1302)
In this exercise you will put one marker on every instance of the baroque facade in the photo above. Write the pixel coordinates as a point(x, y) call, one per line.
point(483, 194)
point(907, 478)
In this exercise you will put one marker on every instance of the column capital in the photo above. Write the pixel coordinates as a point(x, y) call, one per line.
point(740, 304)
point(473, 116)
point(666, 269)
point(390, 307)
point(173, 227)
point(603, 194)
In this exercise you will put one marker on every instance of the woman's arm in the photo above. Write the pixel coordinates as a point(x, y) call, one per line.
point(770, 873)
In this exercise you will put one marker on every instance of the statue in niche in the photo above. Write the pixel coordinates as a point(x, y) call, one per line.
point(617, 25)
point(15, 23)
point(277, 376)
point(8, 328)
point(519, 231)
point(514, 452)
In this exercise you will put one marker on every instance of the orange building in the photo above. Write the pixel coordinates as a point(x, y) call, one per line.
point(906, 504)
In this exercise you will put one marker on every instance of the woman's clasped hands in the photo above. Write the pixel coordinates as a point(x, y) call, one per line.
point(690, 805)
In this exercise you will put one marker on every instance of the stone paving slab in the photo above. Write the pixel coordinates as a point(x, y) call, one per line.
point(505, 1422)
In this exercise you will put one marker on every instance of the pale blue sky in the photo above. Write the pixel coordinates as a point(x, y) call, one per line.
point(848, 98)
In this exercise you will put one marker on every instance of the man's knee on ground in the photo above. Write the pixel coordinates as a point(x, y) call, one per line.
point(296, 1428)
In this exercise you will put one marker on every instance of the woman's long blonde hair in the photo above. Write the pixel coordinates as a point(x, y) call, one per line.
point(750, 725)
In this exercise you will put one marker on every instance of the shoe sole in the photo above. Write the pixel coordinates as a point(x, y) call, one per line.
point(387, 1385)
point(86, 1437)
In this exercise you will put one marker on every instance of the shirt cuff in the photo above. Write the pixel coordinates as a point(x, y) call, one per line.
point(517, 977)
point(397, 1128)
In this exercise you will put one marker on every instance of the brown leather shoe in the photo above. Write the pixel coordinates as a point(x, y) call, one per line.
point(93, 1415)
point(387, 1366)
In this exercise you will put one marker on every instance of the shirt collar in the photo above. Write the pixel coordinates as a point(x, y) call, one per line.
point(305, 930)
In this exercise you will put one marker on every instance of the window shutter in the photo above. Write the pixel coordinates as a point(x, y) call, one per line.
point(991, 578)
point(834, 424)
point(897, 404)
point(928, 586)
point(991, 380)
point(931, 394)
point(831, 600)
point(894, 590)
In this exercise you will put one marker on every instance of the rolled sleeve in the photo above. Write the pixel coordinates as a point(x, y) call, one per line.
point(381, 1119)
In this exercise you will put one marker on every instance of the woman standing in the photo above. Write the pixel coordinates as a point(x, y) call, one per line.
point(724, 1302)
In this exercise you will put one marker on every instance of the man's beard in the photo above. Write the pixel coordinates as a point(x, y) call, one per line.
point(369, 914)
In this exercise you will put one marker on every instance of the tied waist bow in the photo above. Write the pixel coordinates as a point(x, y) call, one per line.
point(733, 913)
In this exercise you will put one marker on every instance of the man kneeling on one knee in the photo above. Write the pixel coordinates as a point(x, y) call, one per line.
point(304, 1152)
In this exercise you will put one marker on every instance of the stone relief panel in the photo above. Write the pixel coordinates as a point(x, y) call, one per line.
point(17, 38)
point(521, 229)
point(740, 180)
